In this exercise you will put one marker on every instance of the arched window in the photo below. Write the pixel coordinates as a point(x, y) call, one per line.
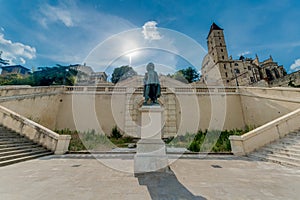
point(269, 75)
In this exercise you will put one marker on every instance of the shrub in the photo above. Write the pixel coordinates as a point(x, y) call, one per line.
point(194, 146)
point(115, 133)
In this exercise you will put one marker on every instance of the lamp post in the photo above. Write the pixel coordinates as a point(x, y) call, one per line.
point(235, 73)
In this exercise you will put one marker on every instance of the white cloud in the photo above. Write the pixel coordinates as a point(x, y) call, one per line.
point(244, 53)
point(52, 14)
point(295, 66)
point(2, 29)
point(16, 52)
point(64, 43)
point(150, 31)
point(119, 49)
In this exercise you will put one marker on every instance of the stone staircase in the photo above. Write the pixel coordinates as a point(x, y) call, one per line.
point(285, 151)
point(15, 148)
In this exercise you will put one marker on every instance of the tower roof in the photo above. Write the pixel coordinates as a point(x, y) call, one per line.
point(214, 27)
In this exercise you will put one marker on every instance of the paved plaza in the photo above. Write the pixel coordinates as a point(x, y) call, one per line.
point(108, 177)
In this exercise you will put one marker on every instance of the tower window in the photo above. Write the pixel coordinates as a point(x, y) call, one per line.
point(223, 57)
point(249, 68)
point(237, 71)
point(236, 64)
point(224, 66)
point(221, 50)
point(220, 44)
point(226, 74)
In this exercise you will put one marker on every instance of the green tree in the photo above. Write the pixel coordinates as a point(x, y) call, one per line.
point(187, 75)
point(57, 75)
point(122, 73)
point(190, 74)
point(179, 76)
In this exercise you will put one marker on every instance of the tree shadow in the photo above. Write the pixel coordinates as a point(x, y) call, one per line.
point(165, 185)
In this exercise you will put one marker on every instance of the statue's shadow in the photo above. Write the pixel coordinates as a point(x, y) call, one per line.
point(164, 185)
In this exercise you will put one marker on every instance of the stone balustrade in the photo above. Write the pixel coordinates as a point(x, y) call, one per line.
point(265, 134)
point(57, 143)
point(125, 89)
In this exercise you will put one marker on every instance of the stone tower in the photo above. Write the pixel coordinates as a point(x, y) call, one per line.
point(218, 52)
point(216, 44)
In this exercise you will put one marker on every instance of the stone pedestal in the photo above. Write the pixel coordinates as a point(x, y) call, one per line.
point(151, 150)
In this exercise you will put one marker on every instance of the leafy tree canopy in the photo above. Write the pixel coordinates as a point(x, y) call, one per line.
point(45, 76)
point(122, 73)
point(187, 75)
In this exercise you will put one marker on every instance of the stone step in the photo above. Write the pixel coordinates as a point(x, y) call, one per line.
point(272, 152)
point(289, 142)
point(13, 139)
point(19, 147)
point(19, 151)
point(278, 160)
point(25, 158)
point(21, 140)
point(285, 151)
point(284, 146)
point(282, 150)
point(3, 135)
point(15, 144)
point(20, 155)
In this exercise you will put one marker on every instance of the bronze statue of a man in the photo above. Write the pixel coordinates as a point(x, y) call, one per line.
point(151, 85)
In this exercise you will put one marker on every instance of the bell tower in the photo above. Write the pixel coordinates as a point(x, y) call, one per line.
point(216, 44)
point(219, 71)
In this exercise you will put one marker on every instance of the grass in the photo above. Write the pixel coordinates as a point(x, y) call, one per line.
point(202, 141)
point(206, 141)
point(90, 140)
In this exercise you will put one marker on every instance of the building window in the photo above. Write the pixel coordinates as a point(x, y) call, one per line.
point(252, 79)
point(223, 57)
point(237, 71)
point(224, 66)
point(220, 44)
point(221, 50)
point(226, 74)
point(227, 81)
point(236, 64)
point(249, 67)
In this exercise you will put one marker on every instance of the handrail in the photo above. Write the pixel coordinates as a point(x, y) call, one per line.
point(265, 134)
point(57, 143)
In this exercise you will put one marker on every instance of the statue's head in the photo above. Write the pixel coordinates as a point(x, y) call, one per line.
point(150, 67)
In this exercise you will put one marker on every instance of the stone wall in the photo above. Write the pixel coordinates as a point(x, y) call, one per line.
point(284, 81)
point(186, 109)
point(39, 104)
point(262, 105)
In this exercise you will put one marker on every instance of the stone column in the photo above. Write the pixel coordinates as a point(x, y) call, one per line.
point(151, 150)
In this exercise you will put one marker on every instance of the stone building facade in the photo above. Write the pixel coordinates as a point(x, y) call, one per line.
point(14, 69)
point(219, 69)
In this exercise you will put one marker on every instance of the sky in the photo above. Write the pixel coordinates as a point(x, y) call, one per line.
point(105, 34)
